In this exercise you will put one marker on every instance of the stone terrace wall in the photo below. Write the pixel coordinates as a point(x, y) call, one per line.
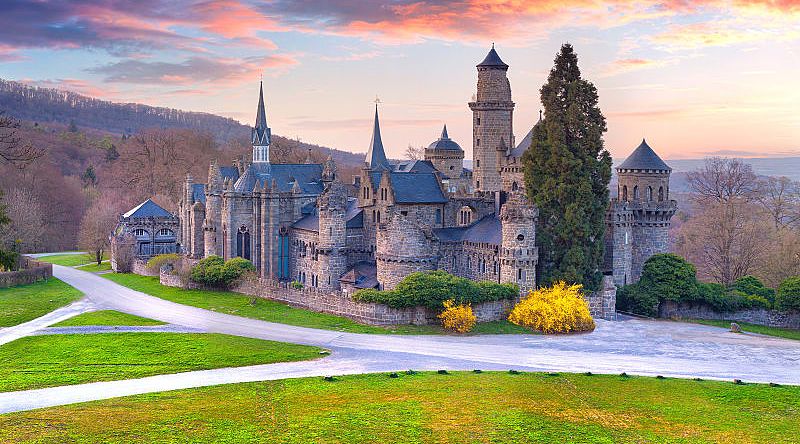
point(30, 271)
point(139, 266)
point(770, 318)
point(602, 303)
point(342, 304)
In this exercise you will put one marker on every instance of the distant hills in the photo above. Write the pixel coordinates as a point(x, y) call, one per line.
point(763, 166)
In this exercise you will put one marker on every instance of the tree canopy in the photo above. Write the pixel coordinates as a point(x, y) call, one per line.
point(567, 171)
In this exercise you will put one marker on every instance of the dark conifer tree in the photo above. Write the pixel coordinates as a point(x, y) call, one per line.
point(567, 171)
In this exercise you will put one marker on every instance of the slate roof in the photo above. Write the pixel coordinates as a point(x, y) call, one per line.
point(493, 60)
point(354, 218)
point(644, 158)
point(376, 156)
point(229, 172)
point(416, 188)
point(362, 275)
point(486, 230)
point(308, 177)
point(414, 166)
point(147, 208)
point(526, 141)
point(444, 142)
point(199, 193)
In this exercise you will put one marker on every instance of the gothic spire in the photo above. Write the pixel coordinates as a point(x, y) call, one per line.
point(376, 156)
point(261, 115)
point(262, 134)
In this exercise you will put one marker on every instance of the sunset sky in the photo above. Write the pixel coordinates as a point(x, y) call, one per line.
point(694, 78)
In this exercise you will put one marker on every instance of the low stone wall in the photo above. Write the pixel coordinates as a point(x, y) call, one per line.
point(342, 304)
point(602, 303)
point(770, 318)
point(30, 271)
point(139, 266)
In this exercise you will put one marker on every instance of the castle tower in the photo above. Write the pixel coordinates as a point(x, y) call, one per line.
point(212, 232)
point(642, 195)
point(404, 246)
point(492, 115)
point(332, 236)
point(261, 134)
point(446, 156)
point(518, 252)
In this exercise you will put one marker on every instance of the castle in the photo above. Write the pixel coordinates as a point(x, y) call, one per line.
point(298, 222)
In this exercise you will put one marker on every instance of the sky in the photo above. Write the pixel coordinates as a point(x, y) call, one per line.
point(695, 78)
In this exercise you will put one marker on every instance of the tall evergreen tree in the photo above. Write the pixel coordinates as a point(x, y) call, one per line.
point(567, 172)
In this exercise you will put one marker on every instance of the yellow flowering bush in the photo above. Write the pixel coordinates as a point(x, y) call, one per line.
point(557, 309)
point(458, 318)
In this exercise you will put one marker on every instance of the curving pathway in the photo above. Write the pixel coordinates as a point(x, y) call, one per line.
point(634, 346)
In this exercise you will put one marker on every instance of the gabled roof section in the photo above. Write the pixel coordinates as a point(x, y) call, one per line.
point(261, 132)
point(229, 172)
point(486, 230)
point(414, 166)
point(376, 156)
point(644, 158)
point(354, 218)
point(307, 176)
point(493, 60)
point(422, 188)
point(145, 209)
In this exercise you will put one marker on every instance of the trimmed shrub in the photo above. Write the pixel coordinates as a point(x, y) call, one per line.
point(788, 297)
point(668, 277)
point(9, 260)
point(631, 300)
point(751, 285)
point(156, 262)
point(431, 289)
point(458, 318)
point(215, 272)
point(235, 268)
point(557, 309)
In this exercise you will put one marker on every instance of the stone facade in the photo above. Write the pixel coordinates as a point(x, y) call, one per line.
point(770, 318)
point(603, 303)
point(143, 232)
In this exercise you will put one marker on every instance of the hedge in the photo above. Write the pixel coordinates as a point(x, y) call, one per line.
point(431, 289)
point(788, 297)
point(215, 272)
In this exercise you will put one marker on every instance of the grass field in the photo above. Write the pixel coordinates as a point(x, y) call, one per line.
point(106, 317)
point(93, 267)
point(272, 311)
point(25, 302)
point(753, 328)
point(70, 260)
point(431, 408)
point(51, 360)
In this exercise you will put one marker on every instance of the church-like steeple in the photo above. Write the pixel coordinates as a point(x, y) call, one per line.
point(261, 132)
point(376, 156)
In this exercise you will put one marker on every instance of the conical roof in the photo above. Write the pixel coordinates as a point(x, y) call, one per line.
point(493, 60)
point(376, 156)
point(445, 143)
point(644, 158)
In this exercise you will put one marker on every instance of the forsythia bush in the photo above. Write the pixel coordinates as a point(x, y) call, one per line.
point(558, 309)
point(458, 318)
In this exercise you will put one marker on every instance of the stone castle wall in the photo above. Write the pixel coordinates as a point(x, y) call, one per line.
point(648, 239)
point(30, 271)
point(602, 303)
point(770, 318)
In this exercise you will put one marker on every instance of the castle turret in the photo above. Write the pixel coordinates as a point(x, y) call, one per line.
point(446, 156)
point(212, 233)
point(492, 115)
point(332, 236)
point(518, 252)
point(261, 134)
point(639, 217)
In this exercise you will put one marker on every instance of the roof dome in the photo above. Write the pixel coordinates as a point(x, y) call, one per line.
point(445, 143)
point(644, 158)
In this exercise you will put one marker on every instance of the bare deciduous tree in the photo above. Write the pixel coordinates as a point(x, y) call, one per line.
point(780, 197)
point(722, 179)
point(13, 150)
point(97, 224)
point(415, 152)
point(27, 225)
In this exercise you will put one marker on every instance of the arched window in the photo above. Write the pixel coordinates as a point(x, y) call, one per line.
point(379, 217)
point(649, 194)
point(243, 242)
point(166, 232)
point(465, 215)
point(625, 193)
point(141, 232)
point(514, 186)
point(636, 192)
point(660, 194)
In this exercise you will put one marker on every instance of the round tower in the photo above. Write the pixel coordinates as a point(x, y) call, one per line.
point(492, 115)
point(211, 237)
point(518, 252)
point(332, 236)
point(404, 246)
point(446, 156)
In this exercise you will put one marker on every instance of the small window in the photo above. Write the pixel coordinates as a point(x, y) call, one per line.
point(451, 167)
point(438, 216)
point(477, 142)
point(478, 122)
point(166, 232)
point(140, 232)
point(478, 163)
point(520, 237)
point(404, 213)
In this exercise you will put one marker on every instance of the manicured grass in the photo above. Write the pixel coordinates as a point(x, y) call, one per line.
point(43, 361)
point(753, 328)
point(272, 311)
point(94, 268)
point(70, 260)
point(25, 302)
point(430, 408)
point(106, 317)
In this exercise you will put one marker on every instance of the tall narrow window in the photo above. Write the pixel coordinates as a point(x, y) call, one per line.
point(660, 194)
point(625, 193)
point(636, 192)
point(649, 194)
point(438, 215)
point(243, 242)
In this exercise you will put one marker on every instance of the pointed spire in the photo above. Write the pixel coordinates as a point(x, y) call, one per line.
point(376, 156)
point(261, 134)
point(444, 133)
point(493, 60)
point(261, 115)
point(308, 160)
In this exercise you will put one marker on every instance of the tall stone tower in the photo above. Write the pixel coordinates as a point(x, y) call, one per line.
point(212, 232)
point(261, 133)
point(640, 214)
point(518, 252)
point(332, 236)
point(492, 114)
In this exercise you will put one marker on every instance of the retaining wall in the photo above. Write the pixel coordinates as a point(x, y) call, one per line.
point(770, 318)
point(30, 271)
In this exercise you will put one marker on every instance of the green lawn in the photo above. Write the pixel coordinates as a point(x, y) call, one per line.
point(70, 260)
point(51, 360)
point(430, 408)
point(94, 268)
point(272, 311)
point(753, 328)
point(25, 302)
point(106, 317)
